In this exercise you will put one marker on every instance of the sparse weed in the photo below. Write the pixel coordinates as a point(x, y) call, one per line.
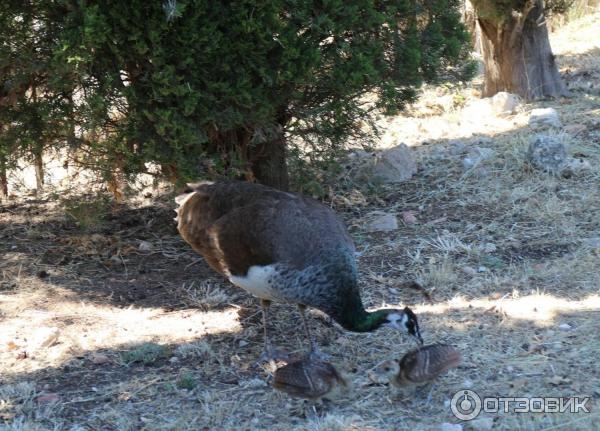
point(89, 215)
point(147, 353)
point(205, 295)
point(186, 381)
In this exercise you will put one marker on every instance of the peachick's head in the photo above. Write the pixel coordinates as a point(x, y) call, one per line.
point(404, 321)
point(385, 372)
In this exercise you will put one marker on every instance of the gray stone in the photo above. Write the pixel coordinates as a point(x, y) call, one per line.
point(575, 129)
point(548, 154)
point(476, 156)
point(394, 165)
point(565, 327)
point(576, 166)
point(457, 148)
point(504, 103)
point(544, 117)
point(469, 270)
point(379, 221)
point(489, 247)
point(145, 246)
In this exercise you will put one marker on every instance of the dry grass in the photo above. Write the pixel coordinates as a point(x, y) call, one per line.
point(153, 340)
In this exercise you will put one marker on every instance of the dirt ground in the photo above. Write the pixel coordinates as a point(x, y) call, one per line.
point(109, 321)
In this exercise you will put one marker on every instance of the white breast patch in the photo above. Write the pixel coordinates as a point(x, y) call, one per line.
point(259, 281)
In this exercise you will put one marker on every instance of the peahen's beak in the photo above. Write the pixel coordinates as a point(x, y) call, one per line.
point(418, 338)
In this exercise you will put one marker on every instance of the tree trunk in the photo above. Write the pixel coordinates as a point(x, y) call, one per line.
point(517, 55)
point(39, 170)
point(469, 18)
point(116, 181)
point(268, 162)
point(3, 179)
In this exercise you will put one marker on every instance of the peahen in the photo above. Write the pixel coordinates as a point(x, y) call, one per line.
point(281, 246)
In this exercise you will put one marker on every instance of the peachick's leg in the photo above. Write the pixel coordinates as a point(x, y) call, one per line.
point(425, 392)
point(315, 353)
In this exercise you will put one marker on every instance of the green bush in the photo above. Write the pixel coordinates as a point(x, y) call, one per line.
point(206, 88)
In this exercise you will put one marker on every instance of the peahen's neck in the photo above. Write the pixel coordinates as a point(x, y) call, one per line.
point(357, 319)
point(333, 287)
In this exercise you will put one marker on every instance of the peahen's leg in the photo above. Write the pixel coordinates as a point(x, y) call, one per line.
point(315, 353)
point(269, 353)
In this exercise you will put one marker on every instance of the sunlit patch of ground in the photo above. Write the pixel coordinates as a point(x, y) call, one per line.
point(142, 335)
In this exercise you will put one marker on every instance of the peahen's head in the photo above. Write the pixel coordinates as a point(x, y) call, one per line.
point(402, 320)
point(405, 321)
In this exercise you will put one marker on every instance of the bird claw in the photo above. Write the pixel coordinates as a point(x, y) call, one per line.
point(426, 393)
point(271, 356)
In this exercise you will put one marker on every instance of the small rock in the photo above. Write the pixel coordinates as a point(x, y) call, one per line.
point(457, 148)
point(145, 246)
point(44, 337)
point(469, 270)
point(575, 166)
point(446, 426)
point(557, 380)
point(380, 221)
point(544, 117)
point(510, 368)
point(394, 165)
point(548, 154)
point(489, 247)
point(565, 327)
point(481, 172)
point(481, 269)
point(476, 156)
point(504, 103)
point(48, 398)
point(481, 424)
point(99, 358)
point(575, 129)
point(242, 343)
point(359, 155)
point(173, 359)
point(42, 274)
point(408, 217)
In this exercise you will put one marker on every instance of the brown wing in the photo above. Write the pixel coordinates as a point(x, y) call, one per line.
point(294, 379)
point(307, 379)
point(426, 363)
point(237, 225)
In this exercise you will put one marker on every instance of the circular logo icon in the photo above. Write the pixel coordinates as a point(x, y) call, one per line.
point(465, 405)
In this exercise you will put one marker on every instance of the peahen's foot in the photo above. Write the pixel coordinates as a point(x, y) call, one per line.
point(271, 355)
